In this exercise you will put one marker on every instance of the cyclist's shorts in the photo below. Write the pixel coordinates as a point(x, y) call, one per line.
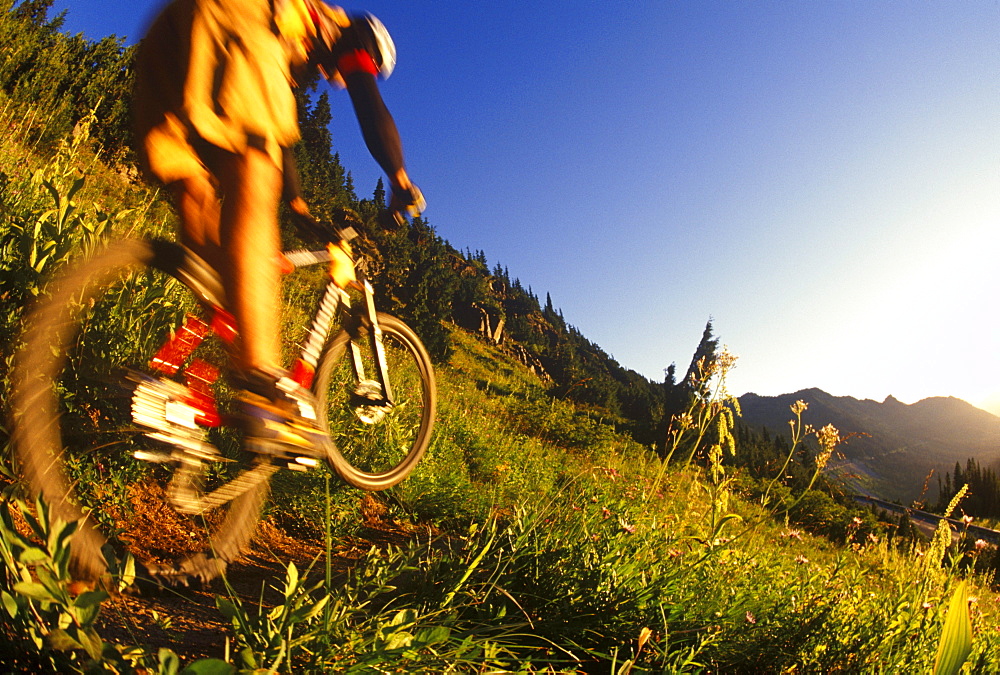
point(214, 71)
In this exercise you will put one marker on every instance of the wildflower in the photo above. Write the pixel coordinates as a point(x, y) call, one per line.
point(966, 520)
point(801, 559)
point(628, 528)
point(981, 544)
point(828, 438)
point(799, 407)
point(927, 605)
point(605, 511)
point(856, 522)
point(750, 617)
point(792, 534)
point(726, 359)
point(673, 553)
point(872, 539)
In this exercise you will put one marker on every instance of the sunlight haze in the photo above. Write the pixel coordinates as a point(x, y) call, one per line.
point(822, 179)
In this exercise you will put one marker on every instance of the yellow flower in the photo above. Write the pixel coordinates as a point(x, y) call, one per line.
point(828, 438)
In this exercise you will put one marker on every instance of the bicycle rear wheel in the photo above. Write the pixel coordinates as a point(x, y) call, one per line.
point(376, 444)
point(73, 429)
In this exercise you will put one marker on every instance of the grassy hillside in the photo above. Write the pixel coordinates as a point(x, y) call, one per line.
point(560, 544)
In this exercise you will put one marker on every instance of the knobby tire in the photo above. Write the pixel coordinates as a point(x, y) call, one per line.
point(42, 435)
point(376, 454)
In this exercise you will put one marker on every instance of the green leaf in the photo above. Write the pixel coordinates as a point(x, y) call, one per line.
point(36, 527)
point(956, 637)
point(85, 615)
point(435, 635)
point(32, 555)
point(306, 613)
point(404, 617)
point(292, 580)
point(35, 591)
point(398, 640)
point(90, 641)
point(248, 658)
point(127, 577)
point(170, 663)
point(89, 598)
point(77, 184)
point(54, 586)
point(60, 640)
point(226, 607)
point(60, 534)
point(9, 603)
point(209, 667)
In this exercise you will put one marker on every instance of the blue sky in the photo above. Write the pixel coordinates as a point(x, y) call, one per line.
point(821, 178)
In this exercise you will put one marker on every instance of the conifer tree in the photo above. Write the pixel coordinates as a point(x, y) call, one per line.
point(703, 356)
point(65, 77)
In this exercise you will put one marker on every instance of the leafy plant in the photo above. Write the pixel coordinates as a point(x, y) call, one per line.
point(267, 639)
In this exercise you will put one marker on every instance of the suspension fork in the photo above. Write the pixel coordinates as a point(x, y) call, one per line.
point(304, 369)
point(377, 346)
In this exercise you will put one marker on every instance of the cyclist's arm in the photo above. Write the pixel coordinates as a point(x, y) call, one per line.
point(377, 127)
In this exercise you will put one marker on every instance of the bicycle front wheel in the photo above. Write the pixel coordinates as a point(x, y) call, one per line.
point(377, 443)
point(76, 397)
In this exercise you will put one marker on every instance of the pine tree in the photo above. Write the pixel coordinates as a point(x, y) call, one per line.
point(65, 77)
point(702, 360)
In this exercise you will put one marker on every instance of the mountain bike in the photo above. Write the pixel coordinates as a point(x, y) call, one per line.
point(122, 383)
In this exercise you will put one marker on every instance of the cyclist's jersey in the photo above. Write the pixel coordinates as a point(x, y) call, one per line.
point(221, 72)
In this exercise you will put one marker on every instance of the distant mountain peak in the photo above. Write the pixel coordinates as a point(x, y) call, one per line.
point(899, 443)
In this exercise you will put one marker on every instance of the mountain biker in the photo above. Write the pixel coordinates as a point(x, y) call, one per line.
point(215, 116)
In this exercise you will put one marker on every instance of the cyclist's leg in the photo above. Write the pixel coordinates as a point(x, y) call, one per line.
point(197, 201)
point(251, 190)
point(275, 408)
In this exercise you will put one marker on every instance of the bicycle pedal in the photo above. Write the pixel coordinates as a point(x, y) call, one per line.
point(302, 464)
point(290, 456)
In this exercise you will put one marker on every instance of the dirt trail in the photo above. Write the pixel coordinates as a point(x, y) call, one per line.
point(186, 619)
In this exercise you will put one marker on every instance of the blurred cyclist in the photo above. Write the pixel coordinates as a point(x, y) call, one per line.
point(215, 116)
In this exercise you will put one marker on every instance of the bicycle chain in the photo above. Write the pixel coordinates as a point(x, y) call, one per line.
point(190, 502)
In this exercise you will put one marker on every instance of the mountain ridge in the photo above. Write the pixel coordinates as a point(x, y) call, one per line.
point(891, 447)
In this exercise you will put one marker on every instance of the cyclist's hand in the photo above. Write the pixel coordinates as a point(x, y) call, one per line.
point(406, 203)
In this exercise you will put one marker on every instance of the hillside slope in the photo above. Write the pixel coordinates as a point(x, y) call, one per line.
point(897, 444)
